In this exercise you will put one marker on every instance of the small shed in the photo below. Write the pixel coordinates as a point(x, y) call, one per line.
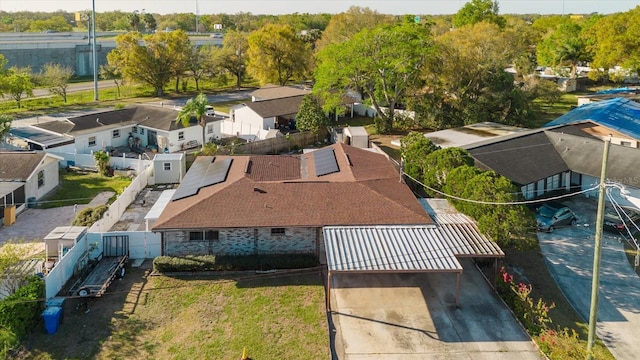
point(59, 241)
point(356, 136)
point(169, 168)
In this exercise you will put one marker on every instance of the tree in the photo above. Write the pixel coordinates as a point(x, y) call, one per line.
point(155, 61)
point(102, 162)
point(110, 72)
point(382, 64)
point(415, 147)
point(57, 77)
point(564, 47)
point(149, 22)
point(56, 23)
point(477, 11)
point(233, 57)
point(439, 163)
point(276, 54)
point(17, 83)
point(343, 26)
point(12, 276)
point(617, 38)
point(310, 116)
point(134, 20)
point(195, 107)
point(465, 82)
point(5, 125)
point(199, 64)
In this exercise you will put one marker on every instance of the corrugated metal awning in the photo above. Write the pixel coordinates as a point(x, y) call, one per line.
point(387, 248)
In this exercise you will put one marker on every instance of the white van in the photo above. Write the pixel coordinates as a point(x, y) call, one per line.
point(209, 111)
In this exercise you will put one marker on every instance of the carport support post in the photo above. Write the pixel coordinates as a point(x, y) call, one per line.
point(593, 312)
point(329, 291)
point(458, 289)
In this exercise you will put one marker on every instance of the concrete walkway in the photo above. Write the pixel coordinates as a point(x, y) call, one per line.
point(569, 256)
point(32, 225)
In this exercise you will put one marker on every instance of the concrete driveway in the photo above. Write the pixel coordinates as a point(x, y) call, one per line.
point(569, 256)
point(413, 316)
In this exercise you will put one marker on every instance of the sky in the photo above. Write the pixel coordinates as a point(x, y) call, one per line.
point(277, 7)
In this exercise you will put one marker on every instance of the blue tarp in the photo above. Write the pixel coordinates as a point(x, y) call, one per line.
point(622, 115)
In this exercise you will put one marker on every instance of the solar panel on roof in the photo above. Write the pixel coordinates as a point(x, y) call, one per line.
point(325, 161)
point(216, 173)
point(202, 174)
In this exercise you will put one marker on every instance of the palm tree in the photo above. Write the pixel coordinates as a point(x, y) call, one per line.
point(195, 107)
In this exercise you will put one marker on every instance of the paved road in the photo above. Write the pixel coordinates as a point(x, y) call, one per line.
point(413, 316)
point(569, 256)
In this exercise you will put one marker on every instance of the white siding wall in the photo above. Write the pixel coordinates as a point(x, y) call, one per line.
point(190, 133)
point(51, 179)
point(246, 123)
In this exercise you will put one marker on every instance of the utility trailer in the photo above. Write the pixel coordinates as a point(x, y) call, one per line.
point(110, 264)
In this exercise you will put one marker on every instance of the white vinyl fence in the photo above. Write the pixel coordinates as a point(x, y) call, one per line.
point(118, 207)
point(142, 244)
point(87, 161)
point(72, 262)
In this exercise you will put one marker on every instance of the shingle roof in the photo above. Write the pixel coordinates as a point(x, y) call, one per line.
point(584, 156)
point(521, 158)
point(18, 166)
point(276, 107)
point(276, 91)
point(161, 118)
point(268, 191)
point(622, 115)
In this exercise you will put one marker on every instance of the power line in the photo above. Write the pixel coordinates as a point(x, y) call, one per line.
point(500, 203)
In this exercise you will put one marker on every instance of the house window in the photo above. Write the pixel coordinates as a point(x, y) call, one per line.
point(40, 178)
point(204, 235)
point(167, 166)
point(115, 133)
point(210, 129)
point(625, 143)
point(134, 130)
point(141, 131)
point(181, 135)
point(277, 231)
point(92, 141)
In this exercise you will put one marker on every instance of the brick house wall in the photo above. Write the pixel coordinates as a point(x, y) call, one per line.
point(245, 241)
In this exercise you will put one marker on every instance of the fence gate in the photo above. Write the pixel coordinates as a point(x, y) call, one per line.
point(115, 245)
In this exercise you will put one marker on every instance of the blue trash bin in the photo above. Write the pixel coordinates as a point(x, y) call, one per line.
point(51, 317)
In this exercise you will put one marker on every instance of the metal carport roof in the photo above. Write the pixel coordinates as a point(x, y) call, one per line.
point(402, 248)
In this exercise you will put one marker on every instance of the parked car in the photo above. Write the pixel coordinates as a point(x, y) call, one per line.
point(209, 111)
point(617, 224)
point(551, 216)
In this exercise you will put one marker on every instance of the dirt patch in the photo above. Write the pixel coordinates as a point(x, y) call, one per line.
point(82, 332)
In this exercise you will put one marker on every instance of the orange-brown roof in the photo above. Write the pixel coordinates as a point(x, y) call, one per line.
point(284, 191)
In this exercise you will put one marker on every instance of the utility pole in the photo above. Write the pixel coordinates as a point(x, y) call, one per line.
point(595, 283)
point(95, 52)
point(197, 13)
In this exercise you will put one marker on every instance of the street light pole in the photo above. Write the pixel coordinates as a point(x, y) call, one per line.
point(595, 283)
point(95, 52)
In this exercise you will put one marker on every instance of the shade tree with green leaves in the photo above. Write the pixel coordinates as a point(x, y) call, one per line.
point(277, 55)
point(439, 163)
point(415, 147)
point(383, 64)
point(310, 116)
point(151, 59)
point(17, 83)
point(564, 47)
point(476, 11)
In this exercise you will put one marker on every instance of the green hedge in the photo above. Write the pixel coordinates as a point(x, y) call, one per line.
point(233, 263)
point(20, 312)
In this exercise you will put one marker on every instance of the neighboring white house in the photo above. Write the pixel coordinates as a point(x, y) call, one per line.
point(25, 177)
point(262, 119)
point(146, 127)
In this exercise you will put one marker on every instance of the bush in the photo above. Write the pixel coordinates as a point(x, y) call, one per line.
point(233, 263)
point(88, 216)
point(20, 312)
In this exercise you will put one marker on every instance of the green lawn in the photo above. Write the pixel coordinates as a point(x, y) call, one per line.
point(274, 316)
point(80, 187)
